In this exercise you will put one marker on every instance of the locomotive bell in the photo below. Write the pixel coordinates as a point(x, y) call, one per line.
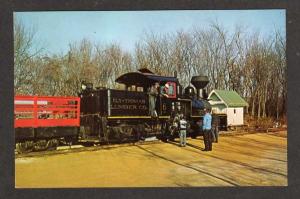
point(200, 82)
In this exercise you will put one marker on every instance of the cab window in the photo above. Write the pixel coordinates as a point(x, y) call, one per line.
point(171, 90)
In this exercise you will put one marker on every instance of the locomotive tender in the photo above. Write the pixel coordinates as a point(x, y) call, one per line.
point(109, 115)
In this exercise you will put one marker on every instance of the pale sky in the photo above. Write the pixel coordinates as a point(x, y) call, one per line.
point(55, 30)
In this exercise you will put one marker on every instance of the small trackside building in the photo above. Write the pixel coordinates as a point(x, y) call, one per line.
point(229, 103)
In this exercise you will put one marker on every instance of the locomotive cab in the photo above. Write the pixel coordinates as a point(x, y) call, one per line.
point(144, 78)
point(166, 92)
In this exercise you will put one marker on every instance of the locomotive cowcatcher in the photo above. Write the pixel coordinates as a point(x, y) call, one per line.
point(111, 115)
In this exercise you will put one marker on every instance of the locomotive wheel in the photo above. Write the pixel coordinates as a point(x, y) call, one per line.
point(164, 130)
point(126, 133)
point(164, 139)
point(24, 147)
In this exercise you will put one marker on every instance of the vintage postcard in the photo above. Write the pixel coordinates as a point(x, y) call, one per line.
point(177, 98)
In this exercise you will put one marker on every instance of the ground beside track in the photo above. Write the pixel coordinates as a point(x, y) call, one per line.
point(243, 160)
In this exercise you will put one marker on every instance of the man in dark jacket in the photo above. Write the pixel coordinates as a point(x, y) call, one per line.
point(153, 93)
point(207, 137)
point(215, 127)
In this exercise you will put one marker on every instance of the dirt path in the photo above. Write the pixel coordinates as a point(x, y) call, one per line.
point(246, 160)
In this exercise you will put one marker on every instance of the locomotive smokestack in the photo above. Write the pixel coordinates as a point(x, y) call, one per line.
point(200, 82)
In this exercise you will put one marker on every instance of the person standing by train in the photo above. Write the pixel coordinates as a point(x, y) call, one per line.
point(207, 137)
point(215, 127)
point(182, 130)
point(153, 93)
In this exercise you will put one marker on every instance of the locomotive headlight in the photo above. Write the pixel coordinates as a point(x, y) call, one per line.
point(83, 86)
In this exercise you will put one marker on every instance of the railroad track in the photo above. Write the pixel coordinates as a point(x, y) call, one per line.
point(95, 147)
point(81, 148)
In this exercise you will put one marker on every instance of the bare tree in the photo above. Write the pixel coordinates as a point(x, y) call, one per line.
point(23, 53)
point(250, 64)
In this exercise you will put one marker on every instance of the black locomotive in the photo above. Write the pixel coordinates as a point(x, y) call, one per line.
point(110, 115)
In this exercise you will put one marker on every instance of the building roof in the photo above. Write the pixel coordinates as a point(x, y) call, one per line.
point(230, 98)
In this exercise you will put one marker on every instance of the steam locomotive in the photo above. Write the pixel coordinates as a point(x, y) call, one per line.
point(106, 115)
point(109, 114)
